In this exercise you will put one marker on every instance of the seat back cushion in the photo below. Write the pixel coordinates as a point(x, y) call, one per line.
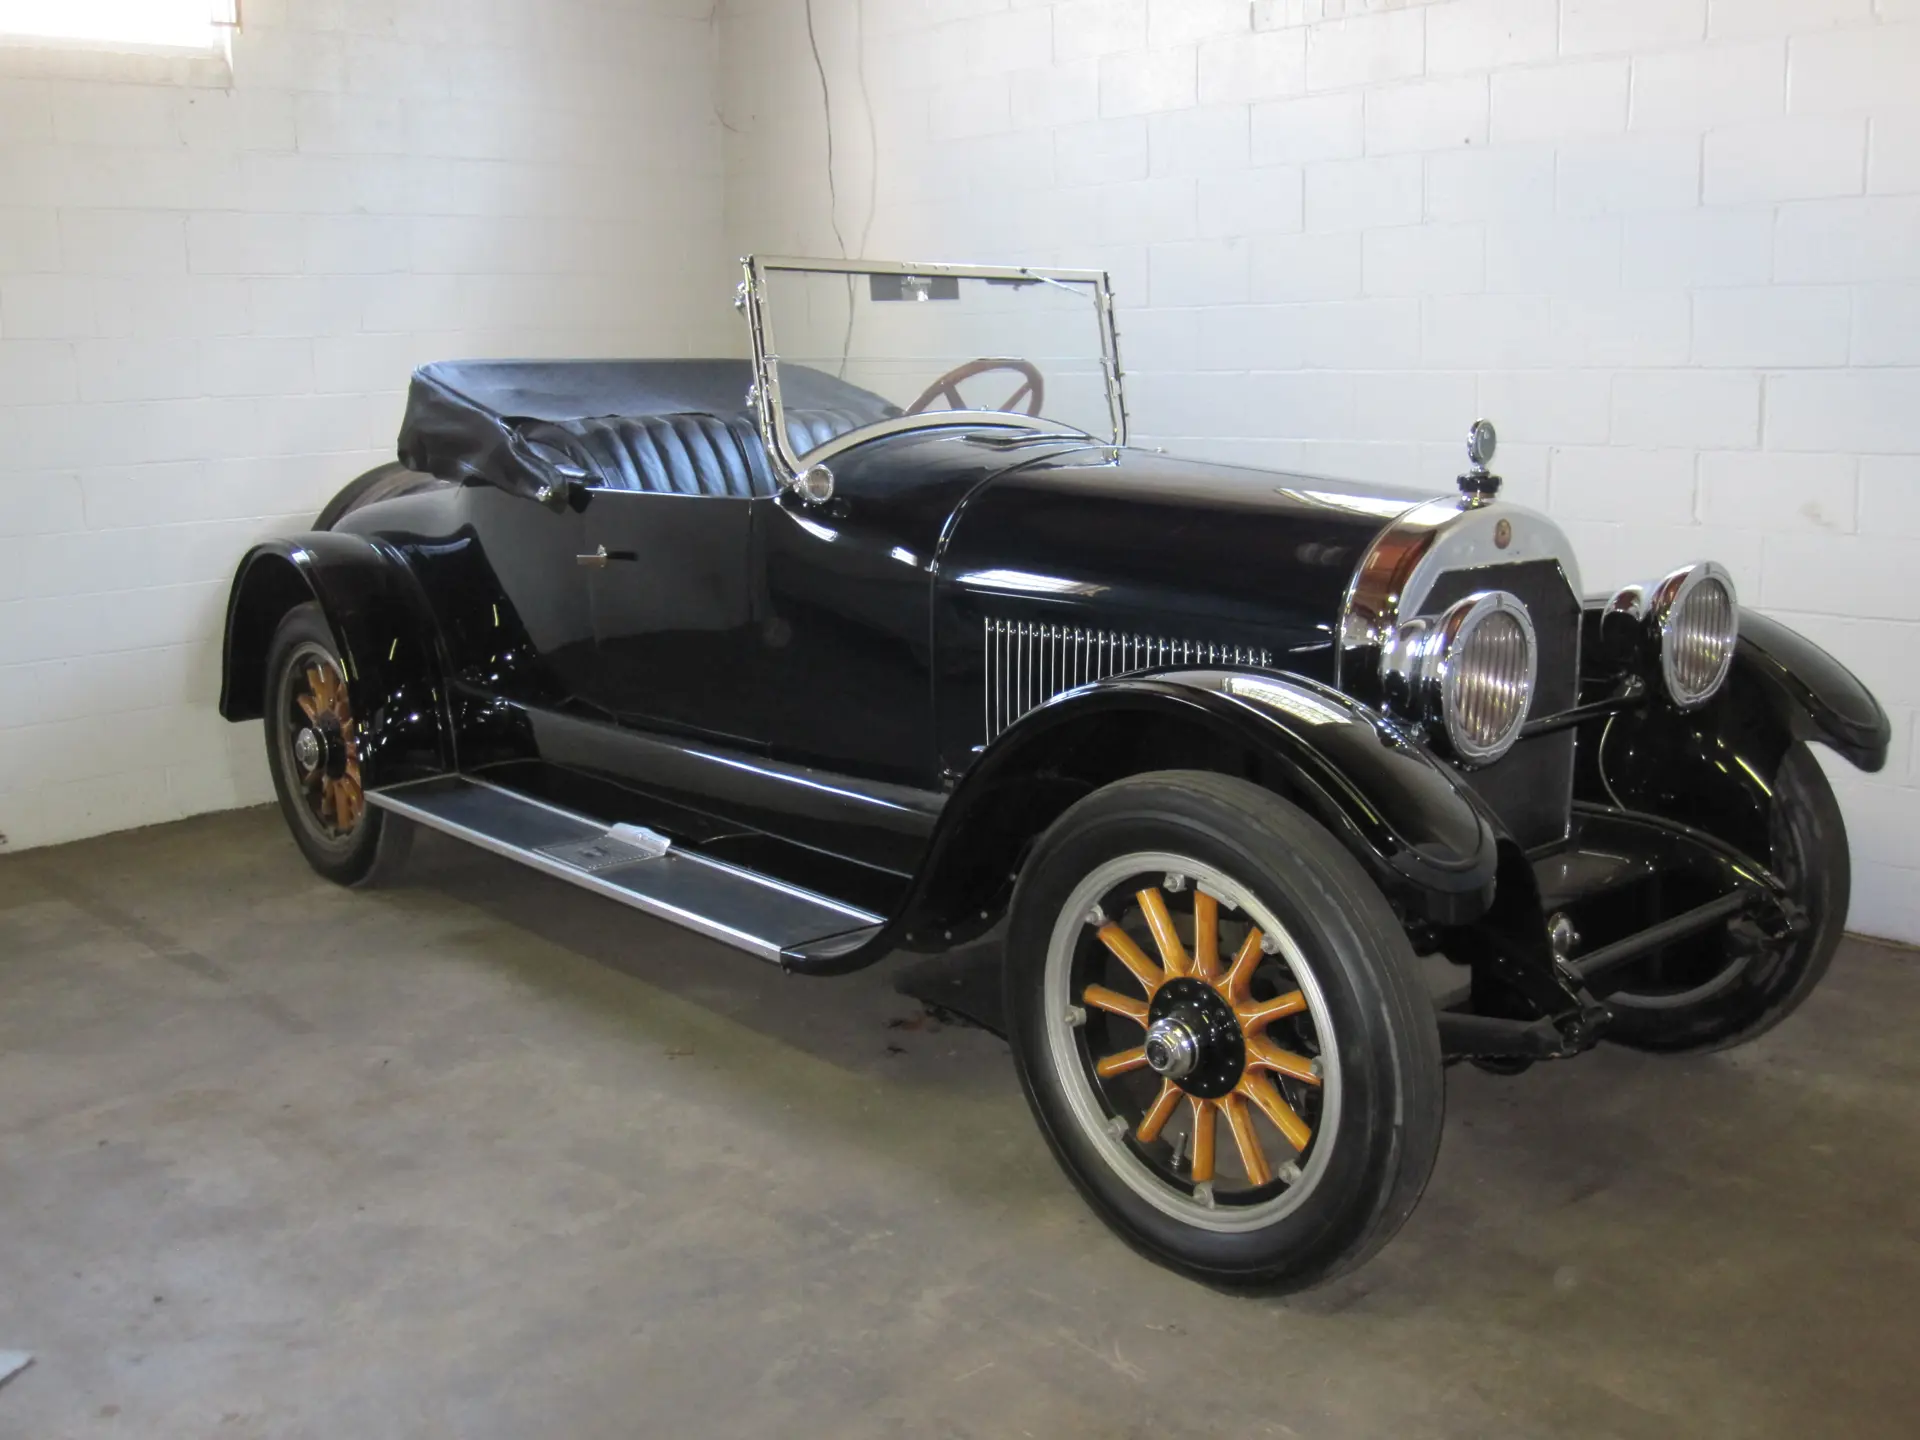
point(683, 454)
point(686, 454)
point(810, 429)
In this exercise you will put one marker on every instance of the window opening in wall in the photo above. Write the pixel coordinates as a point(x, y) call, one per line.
point(122, 24)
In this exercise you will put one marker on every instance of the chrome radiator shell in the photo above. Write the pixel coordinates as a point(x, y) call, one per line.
point(1439, 552)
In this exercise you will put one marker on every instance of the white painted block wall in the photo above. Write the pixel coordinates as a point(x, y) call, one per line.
point(1672, 247)
point(211, 298)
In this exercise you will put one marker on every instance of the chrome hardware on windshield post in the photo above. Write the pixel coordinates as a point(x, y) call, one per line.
point(815, 484)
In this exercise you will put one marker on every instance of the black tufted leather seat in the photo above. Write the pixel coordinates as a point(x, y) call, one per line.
point(808, 429)
point(685, 454)
point(665, 454)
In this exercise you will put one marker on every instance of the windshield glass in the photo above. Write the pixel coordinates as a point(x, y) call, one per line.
point(900, 343)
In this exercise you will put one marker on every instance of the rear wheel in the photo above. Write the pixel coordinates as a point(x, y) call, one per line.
point(383, 482)
point(1723, 991)
point(1218, 1024)
point(313, 751)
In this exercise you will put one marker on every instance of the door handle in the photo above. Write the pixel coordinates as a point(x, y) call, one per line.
point(597, 559)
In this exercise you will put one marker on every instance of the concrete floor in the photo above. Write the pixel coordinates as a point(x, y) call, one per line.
point(485, 1156)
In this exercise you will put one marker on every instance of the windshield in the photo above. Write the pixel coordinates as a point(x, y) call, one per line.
point(1026, 349)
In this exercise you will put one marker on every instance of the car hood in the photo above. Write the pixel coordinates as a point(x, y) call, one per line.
point(1139, 543)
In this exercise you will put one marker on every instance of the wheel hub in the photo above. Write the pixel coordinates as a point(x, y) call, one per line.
point(332, 739)
point(321, 744)
point(1194, 1040)
point(1173, 1050)
point(306, 750)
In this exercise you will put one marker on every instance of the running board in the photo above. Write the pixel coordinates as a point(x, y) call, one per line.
point(751, 912)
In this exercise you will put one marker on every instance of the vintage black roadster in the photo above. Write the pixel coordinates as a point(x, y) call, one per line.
point(885, 639)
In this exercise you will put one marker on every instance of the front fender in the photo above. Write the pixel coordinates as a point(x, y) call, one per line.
point(374, 607)
point(1813, 695)
point(1416, 828)
point(1713, 768)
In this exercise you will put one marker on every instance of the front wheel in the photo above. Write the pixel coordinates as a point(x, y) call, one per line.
point(1219, 1025)
point(1723, 990)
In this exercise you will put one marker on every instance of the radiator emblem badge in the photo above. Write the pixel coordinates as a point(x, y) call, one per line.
point(1502, 534)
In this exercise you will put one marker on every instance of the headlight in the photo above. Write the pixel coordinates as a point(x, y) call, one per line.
point(1694, 618)
point(1689, 622)
point(1469, 671)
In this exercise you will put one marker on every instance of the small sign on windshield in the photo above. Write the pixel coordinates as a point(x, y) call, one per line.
point(914, 287)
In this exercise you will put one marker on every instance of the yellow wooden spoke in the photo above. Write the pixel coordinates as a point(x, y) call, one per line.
point(1264, 1053)
point(1256, 1017)
point(1206, 935)
point(1121, 1063)
point(1173, 954)
point(1133, 957)
point(1245, 961)
point(1204, 1115)
point(1114, 1003)
point(308, 707)
point(1155, 1120)
point(1273, 1105)
point(1252, 1157)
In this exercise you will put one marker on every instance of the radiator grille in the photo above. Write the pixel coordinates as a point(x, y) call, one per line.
point(1531, 786)
point(1028, 664)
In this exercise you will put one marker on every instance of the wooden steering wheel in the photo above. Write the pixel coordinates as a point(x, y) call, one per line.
point(1033, 389)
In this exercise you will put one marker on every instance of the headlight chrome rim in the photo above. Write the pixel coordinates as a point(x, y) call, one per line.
point(1428, 672)
point(1668, 607)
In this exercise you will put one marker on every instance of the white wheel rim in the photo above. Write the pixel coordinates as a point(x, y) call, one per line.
point(1072, 1067)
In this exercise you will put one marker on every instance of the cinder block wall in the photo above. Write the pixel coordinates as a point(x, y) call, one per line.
point(1672, 247)
point(212, 292)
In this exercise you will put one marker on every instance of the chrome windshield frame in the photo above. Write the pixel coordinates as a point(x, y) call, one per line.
point(793, 468)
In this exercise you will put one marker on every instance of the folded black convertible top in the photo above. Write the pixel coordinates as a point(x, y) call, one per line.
point(465, 418)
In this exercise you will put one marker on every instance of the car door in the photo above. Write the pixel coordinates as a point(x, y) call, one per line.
point(847, 646)
point(842, 652)
point(667, 590)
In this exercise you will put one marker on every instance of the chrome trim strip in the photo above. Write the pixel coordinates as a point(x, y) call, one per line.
point(943, 420)
point(770, 412)
point(960, 270)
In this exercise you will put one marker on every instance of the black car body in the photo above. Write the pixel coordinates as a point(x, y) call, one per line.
point(602, 609)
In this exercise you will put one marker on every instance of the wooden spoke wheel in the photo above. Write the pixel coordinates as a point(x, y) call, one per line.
point(322, 740)
point(1031, 393)
point(316, 747)
point(1198, 1037)
point(1221, 1029)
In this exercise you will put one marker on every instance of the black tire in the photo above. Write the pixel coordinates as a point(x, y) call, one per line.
point(383, 482)
point(1761, 983)
point(1359, 1175)
point(373, 846)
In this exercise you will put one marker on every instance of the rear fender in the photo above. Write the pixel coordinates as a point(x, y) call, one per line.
point(386, 636)
point(1417, 830)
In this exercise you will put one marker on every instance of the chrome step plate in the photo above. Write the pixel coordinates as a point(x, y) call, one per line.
point(751, 912)
point(608, 851)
